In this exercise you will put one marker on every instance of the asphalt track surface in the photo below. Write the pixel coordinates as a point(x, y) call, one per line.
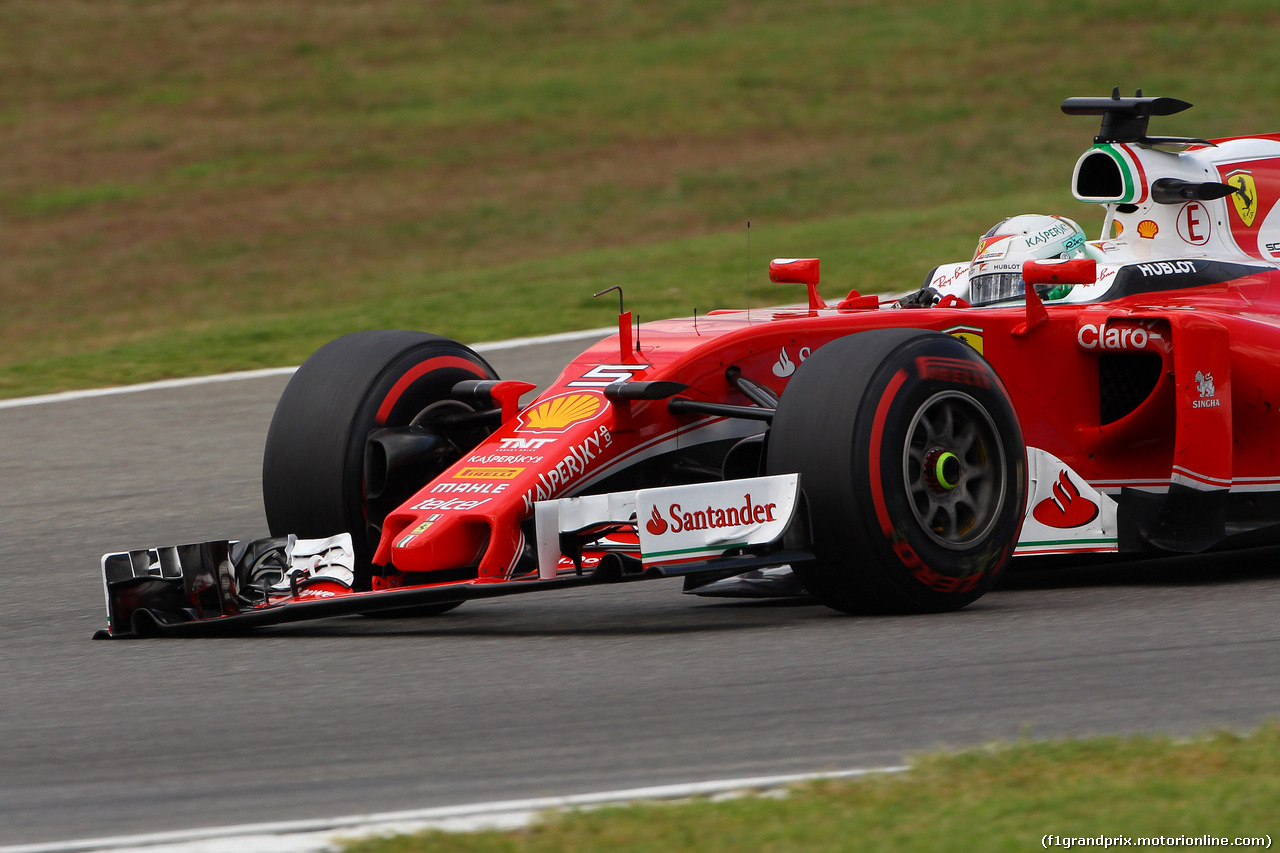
point(529, 696)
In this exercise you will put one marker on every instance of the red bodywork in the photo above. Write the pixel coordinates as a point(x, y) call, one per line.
point(1156, 387)
point(572, 437)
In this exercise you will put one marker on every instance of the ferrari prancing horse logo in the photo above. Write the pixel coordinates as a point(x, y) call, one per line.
point(1245, 198)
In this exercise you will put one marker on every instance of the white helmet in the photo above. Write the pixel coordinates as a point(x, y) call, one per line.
point(995, 274)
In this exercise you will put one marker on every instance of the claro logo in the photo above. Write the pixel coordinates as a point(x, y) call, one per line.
point(711, 517)
point(1090, 336)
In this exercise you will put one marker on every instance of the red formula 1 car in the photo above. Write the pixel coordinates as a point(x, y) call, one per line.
point(1051, 395)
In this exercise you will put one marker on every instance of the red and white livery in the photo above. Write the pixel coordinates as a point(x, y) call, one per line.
point(1114, 395)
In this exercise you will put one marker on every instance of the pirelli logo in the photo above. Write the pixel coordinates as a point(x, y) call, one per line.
point(952, 370)
point(488, 473)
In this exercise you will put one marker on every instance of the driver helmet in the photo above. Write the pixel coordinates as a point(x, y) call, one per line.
point(995, 274)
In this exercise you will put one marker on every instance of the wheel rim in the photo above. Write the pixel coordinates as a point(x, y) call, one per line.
point(953, 467)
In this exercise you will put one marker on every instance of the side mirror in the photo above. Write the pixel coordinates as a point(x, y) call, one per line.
point(798, 271)
point(1060, 271)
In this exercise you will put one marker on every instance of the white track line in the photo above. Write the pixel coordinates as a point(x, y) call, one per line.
point(561, 337)
point(488, 346)
point(321, 834)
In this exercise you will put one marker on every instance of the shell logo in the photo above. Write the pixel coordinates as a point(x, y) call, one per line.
point(560, 413)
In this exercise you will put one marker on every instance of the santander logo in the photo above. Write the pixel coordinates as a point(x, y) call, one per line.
point(657, 525)
point(678, 524)
point(784, 366)
point(1066, 508)
point(711, 517)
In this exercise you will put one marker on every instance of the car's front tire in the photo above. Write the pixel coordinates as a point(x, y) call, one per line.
point(912, 466)
point(314, 481)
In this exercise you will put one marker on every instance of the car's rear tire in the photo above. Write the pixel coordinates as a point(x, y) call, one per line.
point(313, 467)
point(913, 468)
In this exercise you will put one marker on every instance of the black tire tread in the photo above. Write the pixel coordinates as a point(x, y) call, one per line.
point(818, 432)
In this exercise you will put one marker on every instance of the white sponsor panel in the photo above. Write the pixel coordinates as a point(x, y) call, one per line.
point(1065, 515)
point(684, 523)
point(675, 523)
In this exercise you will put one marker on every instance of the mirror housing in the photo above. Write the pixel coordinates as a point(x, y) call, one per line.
point(1056, 271)
point(798, 271)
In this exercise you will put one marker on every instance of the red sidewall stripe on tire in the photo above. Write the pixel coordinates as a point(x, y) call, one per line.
point(877, 433)
point(402, 385)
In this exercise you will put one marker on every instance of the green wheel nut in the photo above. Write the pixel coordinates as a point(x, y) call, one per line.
point(947, 470)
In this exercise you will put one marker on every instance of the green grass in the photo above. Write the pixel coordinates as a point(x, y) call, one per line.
point(1007, 797)
point(220, 185)
point(548, 295)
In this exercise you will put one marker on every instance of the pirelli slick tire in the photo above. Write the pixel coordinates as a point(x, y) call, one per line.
point(314, 481)
point(912, 466)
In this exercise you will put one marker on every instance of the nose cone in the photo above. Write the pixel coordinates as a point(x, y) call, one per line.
point(426, 541)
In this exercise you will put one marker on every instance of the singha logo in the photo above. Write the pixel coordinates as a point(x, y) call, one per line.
point(1204, 383)
point(657, 525)
point(1208, 394)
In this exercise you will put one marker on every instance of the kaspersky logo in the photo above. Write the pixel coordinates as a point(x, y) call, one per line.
point(1245, 198)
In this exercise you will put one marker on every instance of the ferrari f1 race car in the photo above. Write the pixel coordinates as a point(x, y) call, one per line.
point(1051, 395)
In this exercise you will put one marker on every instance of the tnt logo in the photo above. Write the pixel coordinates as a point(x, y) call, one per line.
point(525, 443)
